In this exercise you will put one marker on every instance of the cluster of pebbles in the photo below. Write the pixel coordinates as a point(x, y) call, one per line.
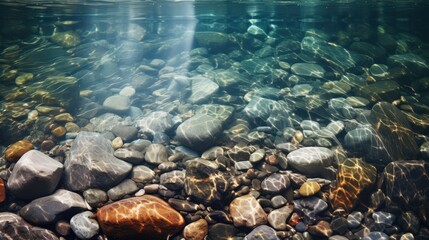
point(123, 132)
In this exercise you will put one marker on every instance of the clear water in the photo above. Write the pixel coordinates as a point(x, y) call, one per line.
point(325, 61)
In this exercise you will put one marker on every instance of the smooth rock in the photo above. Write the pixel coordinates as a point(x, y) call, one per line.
point(154, 122)
point(308, 70)
point(126, 187)
point(16, 150)
point(309, 189)
point(142, 174)
point(197, 230)
point(275, 183)
point(156, 153)
point(354, 177)
point(278, 217)
point(129, 155)
point(126, 133)
point(174, 180)
point(83, 225)
point(311, 160)
point(12, 226)
point(140, 217)
point(354, 219)
point(310, 207)
point(95, 197)
point(384, 218)
point(262, 232)
point(321, 229)
point(199, 132)
point(35, 175)
point(117, 104)
point(41, 211)
point(246, 212)
point(202, 89)
point(91, 163)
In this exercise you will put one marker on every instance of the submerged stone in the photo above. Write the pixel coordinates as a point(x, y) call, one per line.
point(380, 91)
point(262, 232)
point(246, 212)
point(202, 89)
point(354, 177)
point(308, 70)
point(311, 160)
point(91, 163)
point(140, 217)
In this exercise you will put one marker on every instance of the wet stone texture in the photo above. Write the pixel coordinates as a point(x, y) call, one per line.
point(406, 183)
point(133, 218)
point(354, 178)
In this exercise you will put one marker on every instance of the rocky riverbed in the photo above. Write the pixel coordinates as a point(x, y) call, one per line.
point(123, 132)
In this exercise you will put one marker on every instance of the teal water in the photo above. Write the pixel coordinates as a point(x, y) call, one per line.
point(348, 76)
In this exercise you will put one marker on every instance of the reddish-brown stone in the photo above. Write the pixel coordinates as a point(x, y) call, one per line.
point(145, 217)
point(16, 150)
point(2, 191)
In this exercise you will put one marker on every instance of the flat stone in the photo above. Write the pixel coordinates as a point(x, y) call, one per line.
point(376, 236)
point(83, 225)
point(91, 163)
point(354, 177)
point(142, 174)
point(199, 132)
point(257, 156)
point(183, 205)
point(34, 175)
point(140, 217)
point(126, 187)
point(221, 112)
point(16, 150)
point(127, 91)
point(308, 70)
point(41, 212)
point(380, 91)
point(275, 183)
point(262, 232)
point(278, 217)
point(156, 153)
point(311, 160)
point(117, 104)
point(411, 62)
point(246, 212)
point(215, 41)
point(197, 230)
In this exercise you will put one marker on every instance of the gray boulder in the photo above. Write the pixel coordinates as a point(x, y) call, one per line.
point(35, 175)
point(91, 163)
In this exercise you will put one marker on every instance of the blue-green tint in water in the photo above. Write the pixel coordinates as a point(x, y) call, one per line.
point(337, 91)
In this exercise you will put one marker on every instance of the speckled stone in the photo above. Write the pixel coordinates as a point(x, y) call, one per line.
point(83, 225)
point(246, 212)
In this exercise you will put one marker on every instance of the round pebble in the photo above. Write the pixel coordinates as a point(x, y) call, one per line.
point(84, 225)
point(309, 189)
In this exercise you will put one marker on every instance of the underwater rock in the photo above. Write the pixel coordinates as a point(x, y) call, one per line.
point(91, 163)
point(214, 41)
point(380, 91)
point(117, 104)
point(256, 66)
point(129, 155)
point(197, 230)
point(83, 225)
point(95, 197)
point(142, 174)
point(321, 229)
point(140, 217)
point(278, 217)
point(56, 91)
point(406, 183)
point(398, 139)
point(154, 122)
point(126, 187)
point(221, 112)
point(199, 132)
point(334, 55)
point(275, 183)
point(41, 211)
point(375, 52)
point(66, 39)
point(354, 177)
point(246, 212)
point(310, 207)
point(34, 175)
point(262, 232)
point(229, 78)
point(126, 133)
point(16, 150)
point(156, 154)
point(221, 231)
point(308, 189)
point(308, 70)
point(311, 160)
point(174, 180)
point(204, 183)
point(12, 226)
point(412, 63)
point(202, 89)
